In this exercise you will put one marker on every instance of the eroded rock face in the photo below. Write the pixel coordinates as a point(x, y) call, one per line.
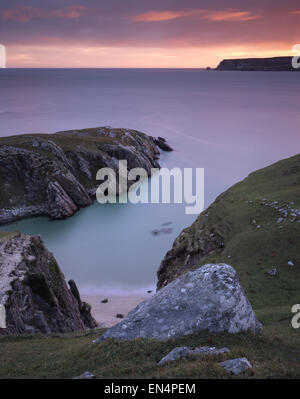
point(55, 174)
point(34, 292)
point(207, 299)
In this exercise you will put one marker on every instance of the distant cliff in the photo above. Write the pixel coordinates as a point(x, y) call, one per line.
point(257, 64)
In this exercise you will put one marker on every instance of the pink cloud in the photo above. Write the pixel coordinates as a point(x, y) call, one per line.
point(27, 13)
point(157, 16)
point(230, 15)
point(296, 12)
point(225, 15)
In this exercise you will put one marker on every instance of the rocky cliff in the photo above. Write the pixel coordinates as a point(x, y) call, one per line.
point(55, 174)
point(34, 292)
point(255, 226)
point(257, 64)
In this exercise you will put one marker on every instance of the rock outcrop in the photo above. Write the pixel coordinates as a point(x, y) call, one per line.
point(242, 228)
point(208, 299)
point(162, 144)
point(257, 64)
point(179, 353)
point(34, 292)
point(236, 366)
point(54, 175)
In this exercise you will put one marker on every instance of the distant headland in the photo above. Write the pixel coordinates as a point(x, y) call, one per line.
point(257, 64)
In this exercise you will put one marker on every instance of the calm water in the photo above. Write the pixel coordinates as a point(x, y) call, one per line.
point(230, 123)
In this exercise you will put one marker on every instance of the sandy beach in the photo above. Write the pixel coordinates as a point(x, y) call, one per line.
point(105, 313)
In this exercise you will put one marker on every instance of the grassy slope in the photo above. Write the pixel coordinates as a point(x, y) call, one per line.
point(254, 251)
point(69, 140)
point(276, 353)
point(250, 250)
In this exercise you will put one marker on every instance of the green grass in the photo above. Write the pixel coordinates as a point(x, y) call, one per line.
point(69, 140)
point(274, 354)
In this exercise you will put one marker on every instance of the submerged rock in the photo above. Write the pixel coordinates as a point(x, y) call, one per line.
point(34, 291)
point(178, 353)
point(207, 299)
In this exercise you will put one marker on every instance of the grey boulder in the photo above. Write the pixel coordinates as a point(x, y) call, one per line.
point(178, 353)
point(207, 299)
point(236, 366)
point(85, 376)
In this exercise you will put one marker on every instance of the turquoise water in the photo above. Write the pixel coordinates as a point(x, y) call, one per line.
point(229, 123)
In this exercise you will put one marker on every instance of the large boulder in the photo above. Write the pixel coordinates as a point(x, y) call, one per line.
point(207, 299)
point(34, 292)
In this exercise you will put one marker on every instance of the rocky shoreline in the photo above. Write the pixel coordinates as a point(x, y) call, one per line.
point(54, 175)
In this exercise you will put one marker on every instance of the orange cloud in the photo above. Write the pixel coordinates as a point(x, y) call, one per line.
point(27, 13)
point(296, 12)
point(230, 15)
point(225, 15)
point(157, 16)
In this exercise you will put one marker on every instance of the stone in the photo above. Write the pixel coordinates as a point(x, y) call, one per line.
point(207, 299)
point(34, 292)
point(85, 376)
point(178, 353)
point(162, 144)
point(84, 308)
point(236, 366)
point(104, 300)
point(272, 272)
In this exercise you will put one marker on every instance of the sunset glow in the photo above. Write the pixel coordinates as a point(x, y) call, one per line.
point(126, 34)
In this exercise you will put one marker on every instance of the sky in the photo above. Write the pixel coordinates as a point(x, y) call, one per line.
point(145, 33)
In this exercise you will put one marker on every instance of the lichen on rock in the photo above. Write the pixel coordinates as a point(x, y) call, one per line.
point(207, 299)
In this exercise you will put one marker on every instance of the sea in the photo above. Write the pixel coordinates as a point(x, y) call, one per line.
point(230, 123)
